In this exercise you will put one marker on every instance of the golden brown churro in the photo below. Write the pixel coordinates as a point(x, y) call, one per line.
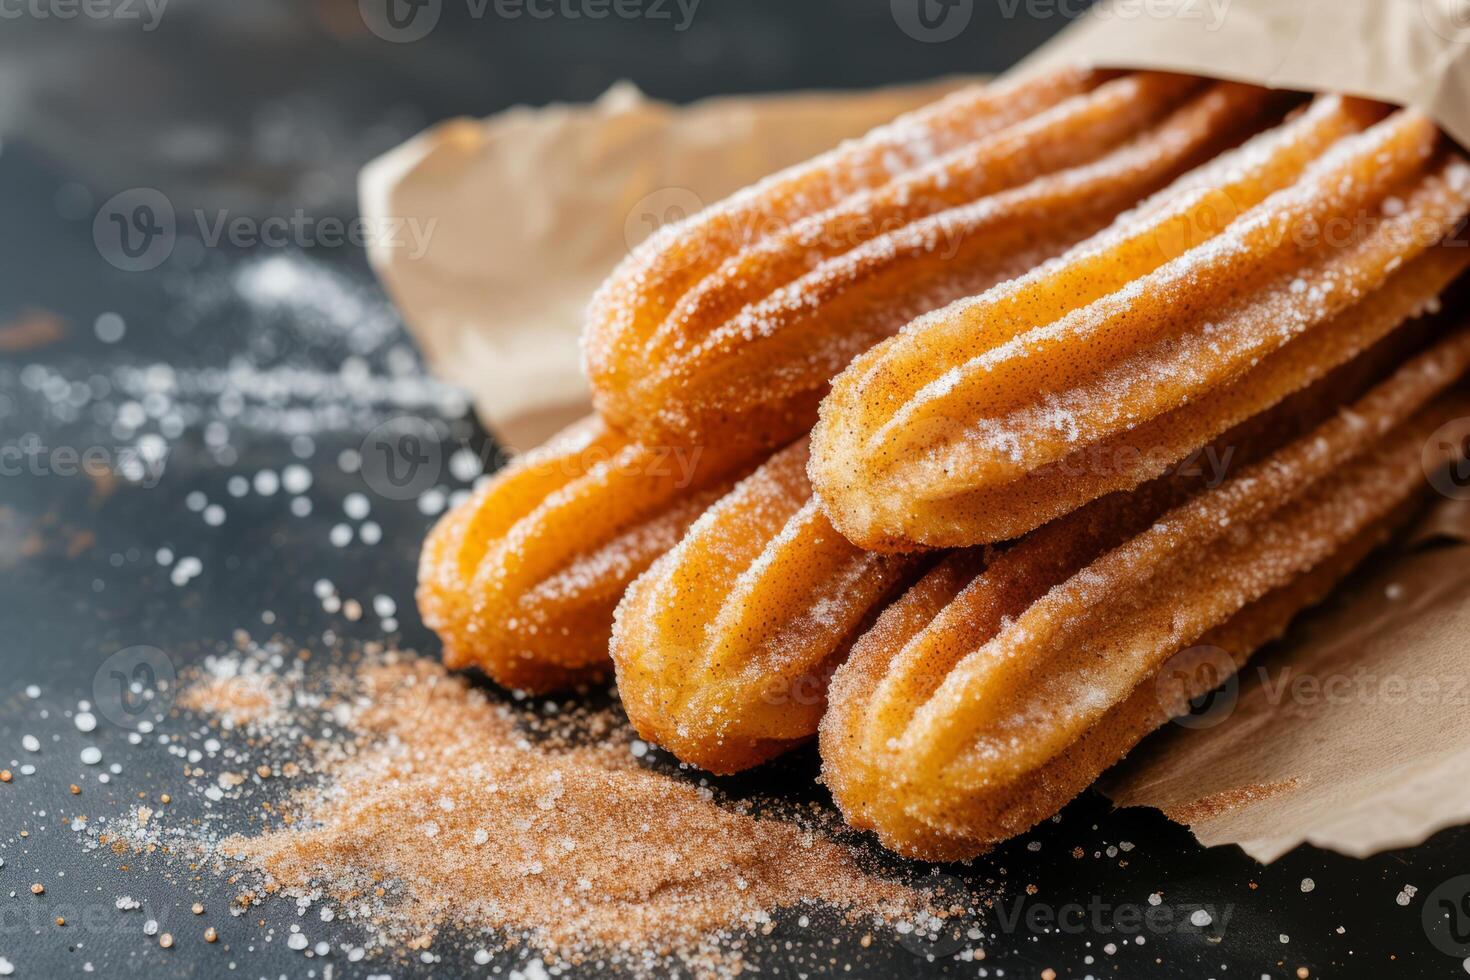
point(748, 599)
point(725, 646)
point(1246, 281)
point(999, 687)
point(521, 579)
point(727, 328)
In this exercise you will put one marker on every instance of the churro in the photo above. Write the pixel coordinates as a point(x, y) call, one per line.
point(725, 646)
point(522, 578)
point(1003, 683)
point(1096, 372)
point(728, 327)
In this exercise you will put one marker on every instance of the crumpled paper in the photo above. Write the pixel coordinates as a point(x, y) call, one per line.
point(1350, 733)
point(495, 232)
point(1408, 52)
point(532, 208)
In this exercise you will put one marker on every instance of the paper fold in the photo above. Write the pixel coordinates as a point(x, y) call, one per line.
point(1350, 734)
point(1408, 52)
point(523, 214)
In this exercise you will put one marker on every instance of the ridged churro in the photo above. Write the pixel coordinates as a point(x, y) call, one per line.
point(1003, 683)
point(725, 646)
point(1244, 282)
point(521, 579)
point(728, 327)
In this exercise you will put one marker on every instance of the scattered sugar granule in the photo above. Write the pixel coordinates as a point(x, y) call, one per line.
point(267, 483)
point(356, 506)
point(431, 502)
point(296, 479)
point(464, 465)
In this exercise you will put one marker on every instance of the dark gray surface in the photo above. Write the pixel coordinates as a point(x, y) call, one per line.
point(259, 112)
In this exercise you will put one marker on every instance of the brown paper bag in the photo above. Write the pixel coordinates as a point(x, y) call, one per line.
point(1409, 52)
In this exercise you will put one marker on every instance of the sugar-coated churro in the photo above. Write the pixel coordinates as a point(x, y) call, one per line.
point(1003, 683)
point(728, 327)
point(521, 579)
point(830, 255)
point(725, 646)
point(1245, 281)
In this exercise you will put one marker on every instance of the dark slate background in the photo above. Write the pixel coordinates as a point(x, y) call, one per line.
point(264, 106)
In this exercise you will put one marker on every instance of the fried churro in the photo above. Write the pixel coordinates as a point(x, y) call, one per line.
point(725, 646)
point(829, 256)
point(521, 579)
point(1004, 682)
point(1246, 281)
point(728, 327)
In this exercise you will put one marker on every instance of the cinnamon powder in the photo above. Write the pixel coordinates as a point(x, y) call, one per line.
point(433, 808)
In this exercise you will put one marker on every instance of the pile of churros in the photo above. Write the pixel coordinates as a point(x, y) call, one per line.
point(941, 446)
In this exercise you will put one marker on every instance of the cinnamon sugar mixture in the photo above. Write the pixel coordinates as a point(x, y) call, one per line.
point(431, 807)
